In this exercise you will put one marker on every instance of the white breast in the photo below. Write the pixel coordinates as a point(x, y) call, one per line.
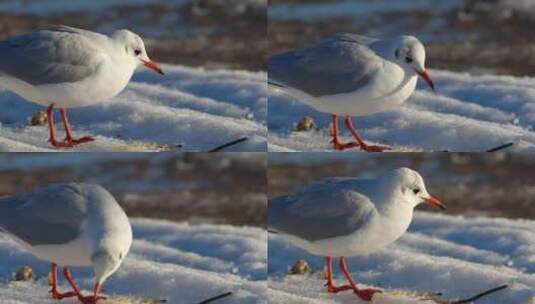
point(74, 253)
point(380, 232)
point(387, 90)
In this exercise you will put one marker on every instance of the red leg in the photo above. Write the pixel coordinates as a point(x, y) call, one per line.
point(337, 145)
point(364, 294)
point(362, 144)
point(54, 291)
point(52, 130)
point(84, 299)
point(330, 283)
point(68, 131)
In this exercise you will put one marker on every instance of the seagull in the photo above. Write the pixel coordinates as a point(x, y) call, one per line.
point(339, 217)
point(351, 75)
point(73, 224)
point(68, 67)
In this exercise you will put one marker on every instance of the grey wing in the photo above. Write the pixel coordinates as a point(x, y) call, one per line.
point(52, 215)
point(339, 64)
point(320, 212)
point(49, 56)
point(354, 38)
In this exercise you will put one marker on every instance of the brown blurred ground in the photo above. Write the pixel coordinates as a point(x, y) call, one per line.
point(480, 37)
point(196, 187)
point(497, 185)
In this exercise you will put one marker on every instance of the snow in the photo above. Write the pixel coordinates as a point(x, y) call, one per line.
point(469, 113)
point(197, 108)
point(179, 262)
point(451, 254)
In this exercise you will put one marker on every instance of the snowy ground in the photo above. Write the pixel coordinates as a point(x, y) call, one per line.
point(178, 262)
point(196, 108)
point(469, 113)
point(451, 254)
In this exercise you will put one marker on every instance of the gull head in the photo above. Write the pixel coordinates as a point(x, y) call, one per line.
point(106, 262)
point(408, 185)
point(410, 54)
point(135, 50)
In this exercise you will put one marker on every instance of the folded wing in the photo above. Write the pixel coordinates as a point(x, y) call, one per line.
point(49, 56)
point(341, 63)
point(50, 216)
point(324, 210)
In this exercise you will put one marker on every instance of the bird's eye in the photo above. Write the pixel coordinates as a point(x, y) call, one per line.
point(120, 256)
point(416, 191)
point(408, 59)
point(137, 52)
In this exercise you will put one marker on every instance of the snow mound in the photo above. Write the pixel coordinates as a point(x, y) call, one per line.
point(178, 262)
point(193, 108)
point(469, 113)
point(457, 256)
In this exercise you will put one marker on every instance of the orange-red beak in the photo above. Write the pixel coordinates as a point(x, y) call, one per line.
point(425, 76)
point(153, 66)
point(433, 201)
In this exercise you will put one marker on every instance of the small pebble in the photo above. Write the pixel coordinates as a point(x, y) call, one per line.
point(305, 124)
point(38, 119)
point(25, 273)
point(300, 267)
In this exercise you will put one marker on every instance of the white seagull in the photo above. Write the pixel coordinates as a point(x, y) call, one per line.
point(341, 217)
point(70, 225)
point(68, 67)
point(351, 75)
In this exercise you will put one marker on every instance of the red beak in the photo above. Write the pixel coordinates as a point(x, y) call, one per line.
point(433, 201)
point(153, 66)
point(427, 79)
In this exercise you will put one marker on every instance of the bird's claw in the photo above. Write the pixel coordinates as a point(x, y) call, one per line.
point(373, 148)
point(90, 299)
point(366, 294)
point(337, 289)
point(81, 140)
point(56, 295)
point(340, 146)
point(70, 142)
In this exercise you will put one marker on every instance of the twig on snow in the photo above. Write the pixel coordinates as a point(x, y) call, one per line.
point(463, 301)
point(504, 146)
point(212, 299)
point(495, 149)
point(232, 143)
point(479, 296)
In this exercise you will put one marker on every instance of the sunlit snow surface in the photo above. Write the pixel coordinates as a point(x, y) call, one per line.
point(457, 256)
point(196, 108)
point(468, 113)
point(178, 262)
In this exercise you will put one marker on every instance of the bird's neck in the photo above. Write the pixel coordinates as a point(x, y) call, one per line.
point(120, 58)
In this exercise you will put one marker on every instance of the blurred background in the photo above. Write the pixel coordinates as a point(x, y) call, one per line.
point(476, 36)
point(219, 188)
point(210, 33)
point(482, 184)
